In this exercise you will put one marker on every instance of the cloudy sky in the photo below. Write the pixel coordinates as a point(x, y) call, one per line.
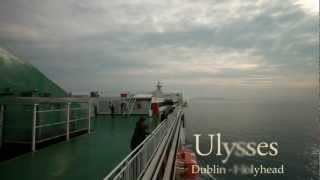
point(229, 48)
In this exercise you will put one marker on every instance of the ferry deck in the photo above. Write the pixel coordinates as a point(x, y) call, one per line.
point(83, 157)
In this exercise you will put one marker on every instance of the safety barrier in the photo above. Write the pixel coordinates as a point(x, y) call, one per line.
point(73, 116)
point(136, 163)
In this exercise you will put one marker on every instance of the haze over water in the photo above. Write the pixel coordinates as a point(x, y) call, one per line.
point(292, 124)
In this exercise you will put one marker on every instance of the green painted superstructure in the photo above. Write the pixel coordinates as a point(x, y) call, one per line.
point(19, 78)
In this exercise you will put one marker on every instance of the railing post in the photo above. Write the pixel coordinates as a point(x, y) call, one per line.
point(68, 121)
point(1, 123)
point(34, 127)
point(89, 117)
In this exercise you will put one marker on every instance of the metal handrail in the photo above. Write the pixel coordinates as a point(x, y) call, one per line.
point(156, 162)
point(126, 159)
point(52, 110)
point(51, 124)
point(36, 126)
point(137, 161)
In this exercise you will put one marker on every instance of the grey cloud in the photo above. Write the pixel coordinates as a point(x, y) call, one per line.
point(108, 42)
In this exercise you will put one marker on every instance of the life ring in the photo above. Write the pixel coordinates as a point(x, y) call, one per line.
point(187, 164)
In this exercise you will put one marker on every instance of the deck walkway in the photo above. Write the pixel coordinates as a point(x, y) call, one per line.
point(83, 157)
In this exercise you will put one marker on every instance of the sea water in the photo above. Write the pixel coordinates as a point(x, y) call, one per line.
point(293, 125)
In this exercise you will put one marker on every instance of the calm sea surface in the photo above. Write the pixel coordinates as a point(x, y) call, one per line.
point(293, 125)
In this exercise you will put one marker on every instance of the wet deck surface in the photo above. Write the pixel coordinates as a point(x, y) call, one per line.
point(83, 157)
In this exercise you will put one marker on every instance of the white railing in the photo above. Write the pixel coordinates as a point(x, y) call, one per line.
point(36, 126)
point(136, 163)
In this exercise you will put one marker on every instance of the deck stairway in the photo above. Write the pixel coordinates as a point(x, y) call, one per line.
point(130, 106)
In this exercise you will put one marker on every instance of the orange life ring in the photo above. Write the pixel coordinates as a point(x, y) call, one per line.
point(187, 164)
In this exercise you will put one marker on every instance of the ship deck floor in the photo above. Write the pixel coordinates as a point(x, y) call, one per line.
point(83, 157)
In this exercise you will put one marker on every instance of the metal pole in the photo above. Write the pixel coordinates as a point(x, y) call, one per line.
point(68, 121)
point(319, 163)
point(89, 117)
point(34, 127)
point(1, 123)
